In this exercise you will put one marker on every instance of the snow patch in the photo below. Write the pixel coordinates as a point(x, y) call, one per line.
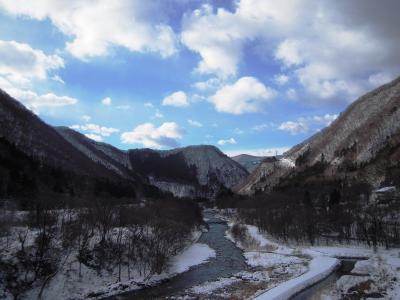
point(319, 268)
point(194, 255)
point(268, 260)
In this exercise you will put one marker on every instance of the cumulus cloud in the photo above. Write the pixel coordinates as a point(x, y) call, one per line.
point(106, 101)
point(230, 141)
point(95, 137)
point(96, 129)
point(245, 95)
point(20, 63)
point(194, 123)
point(37, 102)
point(209, 84)
point(177, 99)
point(149, 135)
point(294, 127)
point(96, 26)
point(336, 50)
point(304, 124)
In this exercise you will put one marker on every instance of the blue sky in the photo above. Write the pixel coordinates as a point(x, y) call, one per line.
point(247, 76)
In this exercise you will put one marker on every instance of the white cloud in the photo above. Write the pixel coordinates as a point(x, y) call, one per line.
point(304, 124)
point(294, 127)
point(148, 104)
point(245, 95)
point(177, 99)
point(158, 115)
point(95, 137)
point(96, 129)
point(334, 49)
point(210, 84)
point(230, 141)
point(58, 79)
point(149, 135)
point(94, 27)
point(20, 63)
point(38, 102)
point(220, 37)
point(194, 123)
point(262, 126)
point(106, 101)
point(281, 79)
point(258, 152)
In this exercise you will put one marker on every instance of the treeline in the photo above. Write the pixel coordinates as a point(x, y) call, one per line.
point(326, 213)
point(25, 179)
point(148, 162)
point(104, 235)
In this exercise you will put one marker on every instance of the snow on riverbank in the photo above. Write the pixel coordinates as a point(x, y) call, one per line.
point(95, 284)
point(194, 255)
point(268, 260)
point(339, 252)
point(319, 268)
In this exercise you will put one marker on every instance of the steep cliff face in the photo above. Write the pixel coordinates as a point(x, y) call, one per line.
point(211, 164)
point(362, 143)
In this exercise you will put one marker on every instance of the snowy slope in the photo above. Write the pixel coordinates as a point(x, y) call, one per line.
point(363, 142)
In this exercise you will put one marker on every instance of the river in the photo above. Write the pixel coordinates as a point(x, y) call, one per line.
point(228, 261)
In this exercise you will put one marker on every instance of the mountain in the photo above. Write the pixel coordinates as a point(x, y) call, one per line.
point(249, 162)
point(37, 162)
point(194, 171)
point(103, 154)
point(361, 145)
point(36, 139)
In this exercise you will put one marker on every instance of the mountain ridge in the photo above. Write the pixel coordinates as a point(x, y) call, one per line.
point(347, 148)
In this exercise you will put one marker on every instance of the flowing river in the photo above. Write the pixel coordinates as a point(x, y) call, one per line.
point(228, 261)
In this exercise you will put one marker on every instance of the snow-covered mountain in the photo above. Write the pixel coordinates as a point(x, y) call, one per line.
point(361, 144)
point(194, 171)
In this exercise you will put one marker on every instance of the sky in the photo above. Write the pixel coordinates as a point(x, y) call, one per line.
point(248, 76)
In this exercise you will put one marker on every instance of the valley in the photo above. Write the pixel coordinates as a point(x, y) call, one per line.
point(199, 150)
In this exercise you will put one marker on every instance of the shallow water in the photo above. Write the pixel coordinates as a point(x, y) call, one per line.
point(228, 261)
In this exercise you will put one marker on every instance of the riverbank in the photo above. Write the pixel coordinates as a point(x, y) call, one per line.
point(98, 285)
point(375, 275)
